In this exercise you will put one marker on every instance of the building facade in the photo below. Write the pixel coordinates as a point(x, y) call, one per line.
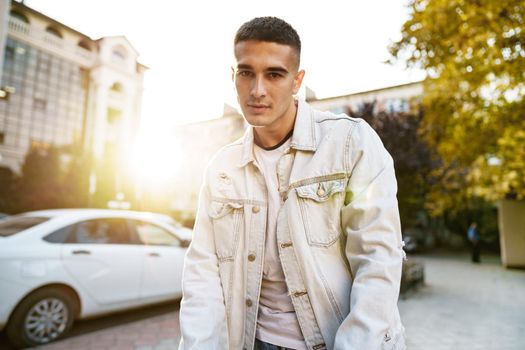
point(64, 88)
point(399, 98)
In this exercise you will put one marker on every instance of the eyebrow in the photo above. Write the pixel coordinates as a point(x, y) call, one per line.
point(269, 69)
point(277, 70)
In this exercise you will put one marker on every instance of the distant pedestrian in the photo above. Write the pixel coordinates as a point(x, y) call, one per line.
point(474, 238)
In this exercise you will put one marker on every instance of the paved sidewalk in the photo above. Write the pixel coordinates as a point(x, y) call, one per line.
point(464, 306)
point(155, 333)
point(461, 307)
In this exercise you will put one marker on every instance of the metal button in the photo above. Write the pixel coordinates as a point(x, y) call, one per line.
point(255, 209)
point(321, 192)
point(251, 257)
point(249, 303)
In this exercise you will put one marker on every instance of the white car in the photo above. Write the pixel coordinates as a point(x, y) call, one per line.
point(61, 265)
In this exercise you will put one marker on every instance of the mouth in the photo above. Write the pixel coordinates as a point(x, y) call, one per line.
point(258, 107)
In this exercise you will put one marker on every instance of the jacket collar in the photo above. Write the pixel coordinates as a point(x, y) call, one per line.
point(303, 137)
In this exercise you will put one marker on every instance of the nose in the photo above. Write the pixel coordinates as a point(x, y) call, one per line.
point(258, 88)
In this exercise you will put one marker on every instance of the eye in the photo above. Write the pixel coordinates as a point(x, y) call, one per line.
point(244, 73)
point(274, 75)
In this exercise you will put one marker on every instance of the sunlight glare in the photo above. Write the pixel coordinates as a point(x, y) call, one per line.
point(155, 158)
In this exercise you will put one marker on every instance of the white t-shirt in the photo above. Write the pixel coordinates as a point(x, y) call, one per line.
point(276, 322)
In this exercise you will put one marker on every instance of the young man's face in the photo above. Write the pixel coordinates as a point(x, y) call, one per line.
point(266, 78)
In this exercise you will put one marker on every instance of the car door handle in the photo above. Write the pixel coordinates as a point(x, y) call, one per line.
point(154, 254)
point(81, 252)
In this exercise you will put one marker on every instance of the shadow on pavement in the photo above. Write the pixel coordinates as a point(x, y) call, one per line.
point(91, 325)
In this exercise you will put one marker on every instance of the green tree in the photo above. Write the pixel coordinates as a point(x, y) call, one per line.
point(75, 176)
point(40, 184)
point(7, 190)
point(413, 160)
point(473, 52)
point(57, 177)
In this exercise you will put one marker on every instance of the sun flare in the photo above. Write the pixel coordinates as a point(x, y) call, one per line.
point(155, 158)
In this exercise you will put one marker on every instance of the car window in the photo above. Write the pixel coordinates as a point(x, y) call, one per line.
point(151, 234)
point(101, 231)
point(59, 236)
point(18, 223)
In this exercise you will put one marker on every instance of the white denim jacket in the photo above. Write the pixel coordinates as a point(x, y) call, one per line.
point(338, 235)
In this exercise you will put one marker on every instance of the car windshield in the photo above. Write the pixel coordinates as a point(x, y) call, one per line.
point(15, 224)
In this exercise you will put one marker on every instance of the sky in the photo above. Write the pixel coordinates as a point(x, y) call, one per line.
point(188, 46)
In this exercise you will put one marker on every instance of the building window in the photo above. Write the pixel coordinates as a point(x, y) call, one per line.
point(119, 54)
point(19, 16)
point(9, 53)
point(43, 66)
point(39, 104)
point(54, 32)
point(85, 45)
point(338, 109)
point(116, 87)
point(20, 50)
point(396, 105)
point(113, 115)
point(404, 105)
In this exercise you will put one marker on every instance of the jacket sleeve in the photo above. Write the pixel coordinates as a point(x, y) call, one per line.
point(202, 310)
point(370, 220)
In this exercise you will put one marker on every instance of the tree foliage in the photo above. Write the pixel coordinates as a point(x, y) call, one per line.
point(413, 160)
point(7, 189)
point(39, 186)
point(51, 178)
point(59, 177)
point(474, 54)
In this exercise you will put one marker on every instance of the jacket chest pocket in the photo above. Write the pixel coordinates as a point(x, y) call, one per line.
point(320, 205)
point(227, 219)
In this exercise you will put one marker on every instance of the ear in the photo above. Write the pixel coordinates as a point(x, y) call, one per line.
point(233, 74)
point(298, 80)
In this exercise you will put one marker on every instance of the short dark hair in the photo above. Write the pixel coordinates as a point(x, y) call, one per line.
point(271, 29)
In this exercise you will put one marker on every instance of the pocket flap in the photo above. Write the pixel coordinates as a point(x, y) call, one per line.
point(321, 191)
point(220, 209)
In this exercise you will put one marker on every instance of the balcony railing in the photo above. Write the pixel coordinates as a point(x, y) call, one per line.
point(18, 26)
point(21, 28)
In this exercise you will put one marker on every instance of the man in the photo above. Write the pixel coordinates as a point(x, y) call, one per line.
point(297, 240)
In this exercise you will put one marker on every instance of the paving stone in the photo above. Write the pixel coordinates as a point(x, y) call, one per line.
point(466, 306)
point(461, 307)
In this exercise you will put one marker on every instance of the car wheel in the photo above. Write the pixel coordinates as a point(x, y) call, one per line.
point(43, 316)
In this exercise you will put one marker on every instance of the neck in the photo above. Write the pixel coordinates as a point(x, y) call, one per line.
point(271, 135)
